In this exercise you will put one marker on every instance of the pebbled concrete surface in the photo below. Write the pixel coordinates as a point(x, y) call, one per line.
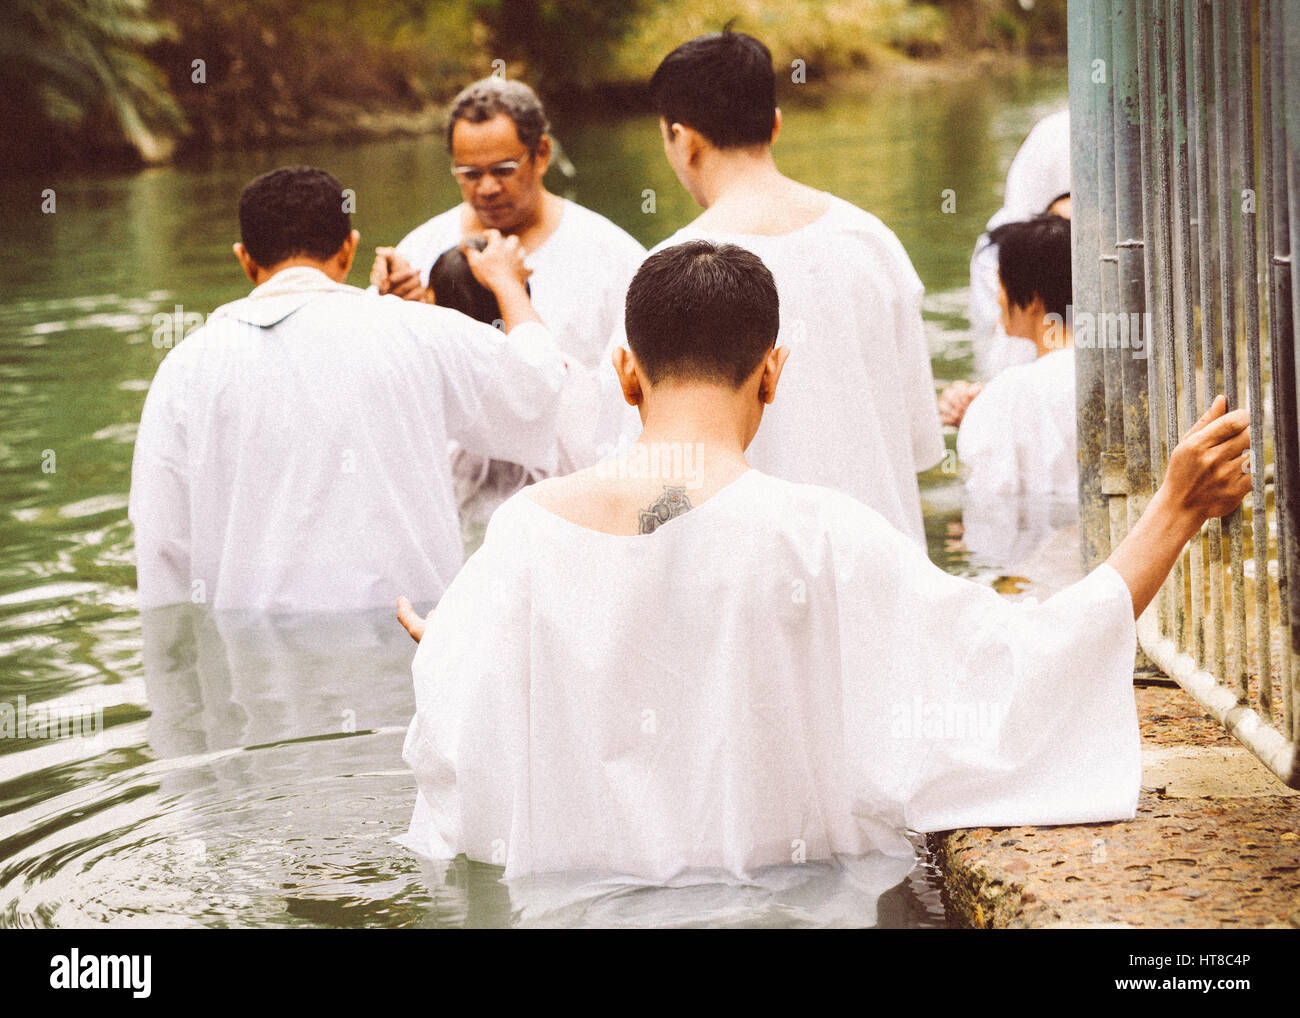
point(1215, 844)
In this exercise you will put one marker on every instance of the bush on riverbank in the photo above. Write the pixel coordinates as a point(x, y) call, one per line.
point(131, 80)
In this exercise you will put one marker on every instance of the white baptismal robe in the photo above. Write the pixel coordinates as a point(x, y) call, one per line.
point(579, 280)
point(855, 408)
point(1039, 173)
point(776, 674)
point(291, 454)
point(1018, 436)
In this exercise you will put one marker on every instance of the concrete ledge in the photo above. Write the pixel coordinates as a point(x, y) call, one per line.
point(1215, 844)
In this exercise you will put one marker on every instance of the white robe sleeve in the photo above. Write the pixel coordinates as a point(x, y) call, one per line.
point(501, 392)
point(472, 663)
point(966, 710)
point(914, 361)
point(159, 505)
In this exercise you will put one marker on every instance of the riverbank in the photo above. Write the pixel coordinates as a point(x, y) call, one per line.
point(1215, 844)
point(109, 85)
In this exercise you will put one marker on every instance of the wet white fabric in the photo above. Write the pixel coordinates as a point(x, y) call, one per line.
point(855, 408)
point(292, 452)
point(1018, 436)
point(1039, 173)
point(579, 280)
point(776, 675)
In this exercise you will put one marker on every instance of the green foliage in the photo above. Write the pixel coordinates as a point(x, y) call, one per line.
point(564, 44)
point(68, 65)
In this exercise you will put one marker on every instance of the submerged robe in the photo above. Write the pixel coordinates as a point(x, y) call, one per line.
point(855, 408)
point(776, 674)
point(1018, 436)
point(291, 454)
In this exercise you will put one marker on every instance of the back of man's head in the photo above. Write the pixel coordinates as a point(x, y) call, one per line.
point(1034, 260)
point(702, 312)
point(722, 85)
point(293, 211)
point(490, 97)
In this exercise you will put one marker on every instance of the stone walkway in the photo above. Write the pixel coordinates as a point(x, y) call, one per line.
point(1215, 844)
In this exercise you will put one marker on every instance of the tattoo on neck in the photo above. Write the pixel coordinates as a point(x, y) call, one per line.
point(671, 504)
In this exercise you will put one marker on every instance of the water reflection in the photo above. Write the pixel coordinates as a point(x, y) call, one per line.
point(1025, 537)
point(216, 680)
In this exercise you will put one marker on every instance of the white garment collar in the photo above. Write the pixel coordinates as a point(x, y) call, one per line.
point(280, 296)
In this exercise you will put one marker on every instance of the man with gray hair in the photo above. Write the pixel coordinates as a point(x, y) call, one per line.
point(581, 262)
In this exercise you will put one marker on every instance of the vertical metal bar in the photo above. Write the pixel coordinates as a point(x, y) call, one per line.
point(1086, 96)
point(1211, 536)
point(1129, 249)
point(1155, 394)
point(1254, 371)
point(1273, 196)
point(1113, 473)
point(1228, 318)
point(1164, 123)
point(1187, 329)
point(1287, 41)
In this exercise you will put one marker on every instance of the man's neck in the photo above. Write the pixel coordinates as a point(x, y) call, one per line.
point(535, 231)
point(1049, 341)
point(743, 192)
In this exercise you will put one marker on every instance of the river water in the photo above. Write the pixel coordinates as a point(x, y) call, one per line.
point(242, 771)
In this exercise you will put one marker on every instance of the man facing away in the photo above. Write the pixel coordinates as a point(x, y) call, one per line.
point(771, 672)
point(858, 411)
point(1018, 434)
point(1038, 178)
point(292, 452)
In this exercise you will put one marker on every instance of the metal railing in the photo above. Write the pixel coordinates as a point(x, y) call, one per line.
point(1185, 165)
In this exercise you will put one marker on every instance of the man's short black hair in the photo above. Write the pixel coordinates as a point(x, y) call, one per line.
point(703, 312)
point(1034, 260)
point(722, 85)
point(295, 210)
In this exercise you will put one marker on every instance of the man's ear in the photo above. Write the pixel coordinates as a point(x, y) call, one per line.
point(625, 368)
point(695, 143)
point(776, 125)
point(542, 157)
point(347, 251)
point(246, 262)
point(773, 365)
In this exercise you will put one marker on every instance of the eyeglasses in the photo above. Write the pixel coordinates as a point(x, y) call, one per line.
point(499, 171)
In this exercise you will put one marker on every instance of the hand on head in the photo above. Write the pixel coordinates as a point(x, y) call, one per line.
point(500, 263)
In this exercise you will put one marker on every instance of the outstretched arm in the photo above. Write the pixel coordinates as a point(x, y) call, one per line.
point(1208, 476)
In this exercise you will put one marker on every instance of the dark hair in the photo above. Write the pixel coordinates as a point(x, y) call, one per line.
point(722, 85)
point(1034, 260)
point(295, 210)
point(454, 285)
point(490, 97)
point(702, 311)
